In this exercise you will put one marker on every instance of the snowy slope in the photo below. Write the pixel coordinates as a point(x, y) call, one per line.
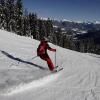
point(23, 78)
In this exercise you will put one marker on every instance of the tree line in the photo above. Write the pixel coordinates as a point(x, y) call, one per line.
point(14, 18)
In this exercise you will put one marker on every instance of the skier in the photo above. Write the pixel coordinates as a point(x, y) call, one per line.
point(42, 52)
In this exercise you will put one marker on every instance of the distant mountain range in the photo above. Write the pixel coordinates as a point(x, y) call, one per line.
point(84, 36)
point(77, 26)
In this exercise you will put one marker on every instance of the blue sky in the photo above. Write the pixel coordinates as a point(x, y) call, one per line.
point(65, 9)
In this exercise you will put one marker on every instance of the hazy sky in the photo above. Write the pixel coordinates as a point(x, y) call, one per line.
point(65, 9)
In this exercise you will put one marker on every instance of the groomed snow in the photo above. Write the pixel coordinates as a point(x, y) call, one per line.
point(23, 78)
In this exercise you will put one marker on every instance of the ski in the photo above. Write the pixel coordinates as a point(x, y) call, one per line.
point(58, 69)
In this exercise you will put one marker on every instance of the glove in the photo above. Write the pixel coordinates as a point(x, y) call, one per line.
point(54, 50)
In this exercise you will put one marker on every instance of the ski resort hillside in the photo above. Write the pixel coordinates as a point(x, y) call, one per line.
point(24, 76)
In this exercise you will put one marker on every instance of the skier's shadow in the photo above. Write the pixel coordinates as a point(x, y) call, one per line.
point(22, 61)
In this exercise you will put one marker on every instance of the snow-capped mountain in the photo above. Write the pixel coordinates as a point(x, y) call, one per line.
point(79, 21)
point(75, 27)
point(80, 25)
point(97, 22)
point(44, 18)
point(23, 76)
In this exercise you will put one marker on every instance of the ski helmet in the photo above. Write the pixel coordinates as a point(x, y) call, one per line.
point(45, 39)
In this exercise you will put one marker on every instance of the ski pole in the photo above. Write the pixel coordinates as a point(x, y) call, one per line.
point(55, 59)
point(32, 58)
point(28, 59)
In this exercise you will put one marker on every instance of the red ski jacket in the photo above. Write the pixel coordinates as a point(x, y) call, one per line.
point(43, 47)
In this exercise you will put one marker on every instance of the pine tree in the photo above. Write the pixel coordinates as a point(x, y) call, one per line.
point(49, 30)
point(41, 26)
point(2, 2)
point(33, 24)
point(58, 36)
point(18, 16)
point(25, 24)
point(48, 27)
point(2, 14)
point(10, 15)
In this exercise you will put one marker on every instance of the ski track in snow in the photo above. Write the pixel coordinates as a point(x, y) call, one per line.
point(43, 80)
point(21, 80)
